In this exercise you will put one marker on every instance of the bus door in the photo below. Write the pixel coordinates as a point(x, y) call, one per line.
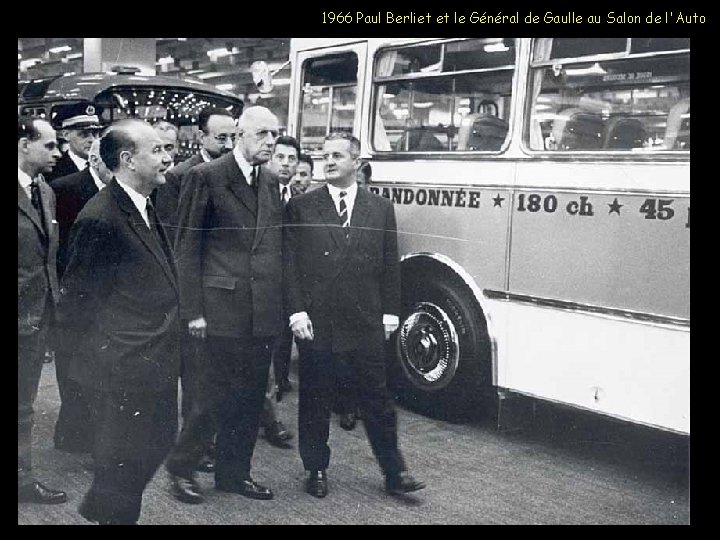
point(327, 96)
point(601, 230)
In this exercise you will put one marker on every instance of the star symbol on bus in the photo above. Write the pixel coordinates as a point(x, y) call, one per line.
point(615, 207)
point(497, 200)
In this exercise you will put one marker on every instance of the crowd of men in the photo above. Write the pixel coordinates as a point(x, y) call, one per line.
point(138, 273)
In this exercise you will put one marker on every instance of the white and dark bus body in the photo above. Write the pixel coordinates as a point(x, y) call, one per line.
point(125, 94)
point(542, 191)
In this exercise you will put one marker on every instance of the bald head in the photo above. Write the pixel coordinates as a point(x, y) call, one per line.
point(135, 153)
point(257, 130)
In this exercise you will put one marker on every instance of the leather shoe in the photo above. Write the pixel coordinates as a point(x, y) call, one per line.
point(206, 465)
point(247, 488)
point(278, 435)
point(185, 490)
point(317, 484)
point(37, 493)
point(402, 483)
point(348, 421)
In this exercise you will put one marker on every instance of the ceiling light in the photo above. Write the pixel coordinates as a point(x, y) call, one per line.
point(62, 48)
point(225, 86)
point(496, 47)
point(595, 69)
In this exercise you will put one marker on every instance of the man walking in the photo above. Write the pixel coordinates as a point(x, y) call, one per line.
point(229, 255)
point(38, 288)
point(120, 301)
point(343, 287)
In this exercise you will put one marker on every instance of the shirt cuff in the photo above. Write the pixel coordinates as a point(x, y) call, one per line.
point(297, 316)
point(389, 319)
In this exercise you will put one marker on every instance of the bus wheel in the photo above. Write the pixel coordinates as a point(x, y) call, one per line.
point(442, 349)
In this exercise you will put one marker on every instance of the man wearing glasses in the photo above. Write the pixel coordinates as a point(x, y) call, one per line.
point(80, 127)
point(229, 252)
point(217, 127)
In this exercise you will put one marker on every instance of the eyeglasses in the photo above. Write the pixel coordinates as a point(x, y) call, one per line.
point(223, 139)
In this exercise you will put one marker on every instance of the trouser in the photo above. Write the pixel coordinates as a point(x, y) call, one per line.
point(190, 362)
point(282, 351)
point(133, 434)
point(229, 401)
point(319, 371)
point(73, 429)
point(31, 353)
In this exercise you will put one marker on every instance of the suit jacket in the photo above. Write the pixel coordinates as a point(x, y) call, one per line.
point(64, 166)
point(167, 196)
point(345, 285)
point(37, 251)
point(229, 250)
point(120, 298)
point(72, 193)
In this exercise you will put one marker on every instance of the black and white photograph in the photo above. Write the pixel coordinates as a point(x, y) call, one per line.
point(357, 281)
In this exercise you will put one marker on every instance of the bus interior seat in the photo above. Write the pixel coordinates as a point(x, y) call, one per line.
point(419, 139)
point(482, 132)
point(677, 132)
point(578, 130)
point(624, 133)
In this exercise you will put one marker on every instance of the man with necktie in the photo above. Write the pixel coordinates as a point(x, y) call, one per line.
point(38, 288)
point(343, 293)
point(229, 252)
point(120, 303)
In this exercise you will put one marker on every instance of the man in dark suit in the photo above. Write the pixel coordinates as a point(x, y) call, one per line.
point(73, 429)
point(38, 288)
point(79, 126)
point(343, 286)
point(229, 252)
point(120, 301)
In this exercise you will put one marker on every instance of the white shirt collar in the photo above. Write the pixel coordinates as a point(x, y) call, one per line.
point(205, 156)
point(139, 200)
point(24, 179)
point(77, 160)
point(350, 195)
point(96, 178)
point(245, 167)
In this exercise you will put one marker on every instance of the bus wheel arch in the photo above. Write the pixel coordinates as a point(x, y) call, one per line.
point(442, 352)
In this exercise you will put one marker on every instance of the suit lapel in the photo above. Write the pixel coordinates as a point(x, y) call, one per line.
point(87, 186)
point(238, 184)
point(358, 219)
point(138, 226)
point(329, 216)
point(48, 211)
point(269, 196)
point(27, 208)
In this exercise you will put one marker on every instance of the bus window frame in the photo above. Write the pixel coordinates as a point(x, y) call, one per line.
point(410, 155)
point(590, 155)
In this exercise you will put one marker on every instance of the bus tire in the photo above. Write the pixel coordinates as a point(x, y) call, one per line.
point(442, 357)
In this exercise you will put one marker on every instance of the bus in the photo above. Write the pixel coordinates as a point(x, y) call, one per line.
point(542, 193)
point(125, 94)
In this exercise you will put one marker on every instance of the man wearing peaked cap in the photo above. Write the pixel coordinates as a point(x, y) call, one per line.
point(79, 124)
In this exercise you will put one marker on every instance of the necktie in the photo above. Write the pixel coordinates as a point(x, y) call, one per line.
point(37, 204)
point(344, 214)
point(253, 180)
point(154, 224)
point(284, 195)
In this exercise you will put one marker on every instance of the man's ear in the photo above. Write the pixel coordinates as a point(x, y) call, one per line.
point(23, 144)
point(126, 157)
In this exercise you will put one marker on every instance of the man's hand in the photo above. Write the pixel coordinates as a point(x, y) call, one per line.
point(198, 328)
point(301, 326)
point(391, 323)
